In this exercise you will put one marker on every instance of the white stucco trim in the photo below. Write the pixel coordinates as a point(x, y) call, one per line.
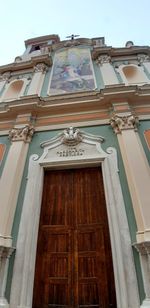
point(52, 157)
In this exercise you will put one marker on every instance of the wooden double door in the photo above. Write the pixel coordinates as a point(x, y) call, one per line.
point(74, 262)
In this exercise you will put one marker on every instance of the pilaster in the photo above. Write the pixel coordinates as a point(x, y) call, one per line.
point(37, 79)
point(4, 78)
point(144, 251)
point(137, 169)
point(107, 70)
point(138, 176)
point(10, 182)
point(5, 253)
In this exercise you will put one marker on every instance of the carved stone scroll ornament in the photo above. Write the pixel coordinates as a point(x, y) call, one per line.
point(143, 58)
point(103, 59)
point(5, 76)
point(121, 122)
point(143, 248)
point(71, 136)
point(40, 67)
point(6, 252)
point(22, 134)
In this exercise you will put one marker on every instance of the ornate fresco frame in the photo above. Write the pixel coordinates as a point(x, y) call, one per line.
point(70, 149)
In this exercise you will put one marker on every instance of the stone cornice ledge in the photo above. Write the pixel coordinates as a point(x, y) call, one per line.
point(113, 52)
point(97, 100)
point(16, 66)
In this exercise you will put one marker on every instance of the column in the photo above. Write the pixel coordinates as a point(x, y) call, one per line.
point(138, 176)
point(10, 183)
point(107, 70)
point(37, 79)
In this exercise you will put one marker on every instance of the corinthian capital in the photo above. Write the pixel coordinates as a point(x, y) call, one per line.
point(40, 67)
point(124, 121)
point(142, 58)
point(103, 59)
point(5, 76)
point(22, 134)
point(143, 248)
point(5, 252)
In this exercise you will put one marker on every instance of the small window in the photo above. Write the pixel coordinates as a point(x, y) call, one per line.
point(36, 47)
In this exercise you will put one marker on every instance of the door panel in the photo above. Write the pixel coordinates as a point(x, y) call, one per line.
point(74, 263)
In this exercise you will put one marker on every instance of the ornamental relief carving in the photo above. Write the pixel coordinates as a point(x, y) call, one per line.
point(125, 121)
point(71, 136)
point(72, 144)
point(103, 59)
point(72, 151)
point(143, 58)
point(6, 252)
point(22, 134)
point(5, 76)
point(143, 248)
point(40, 67)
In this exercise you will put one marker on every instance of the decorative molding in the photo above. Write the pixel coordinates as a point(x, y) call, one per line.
point(94, 155)
point(40, 67)
point(143, 248)
point(71, 43)
point(5, 76)
point(71, 136)
point(72, 144)
point(6, 252)
point(124, 121)
point(103, 59)
point(142, 58)
point(22, 134)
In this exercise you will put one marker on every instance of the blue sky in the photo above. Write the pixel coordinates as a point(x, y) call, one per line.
point(118, 20)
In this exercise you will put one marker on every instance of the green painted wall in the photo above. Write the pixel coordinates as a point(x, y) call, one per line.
point(46, 83)
point(6, 141)
point(110, 141)
point(144, 125)
point(98, 76)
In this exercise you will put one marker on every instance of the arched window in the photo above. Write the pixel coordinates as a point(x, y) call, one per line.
point(14, 89)
point(133, 74)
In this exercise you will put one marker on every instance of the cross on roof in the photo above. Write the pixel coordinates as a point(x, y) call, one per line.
point(72, 36)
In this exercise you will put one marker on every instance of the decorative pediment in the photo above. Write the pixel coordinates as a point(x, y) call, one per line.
point(72, 144)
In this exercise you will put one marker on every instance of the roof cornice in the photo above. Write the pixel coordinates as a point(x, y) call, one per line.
point(23, 65)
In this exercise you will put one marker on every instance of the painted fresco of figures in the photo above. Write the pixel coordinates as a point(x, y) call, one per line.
point(72, 71)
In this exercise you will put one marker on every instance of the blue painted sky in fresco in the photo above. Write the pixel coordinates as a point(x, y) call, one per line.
point(117, 20)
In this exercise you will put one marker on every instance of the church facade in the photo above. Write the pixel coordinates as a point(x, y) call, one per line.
point(74, 175)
